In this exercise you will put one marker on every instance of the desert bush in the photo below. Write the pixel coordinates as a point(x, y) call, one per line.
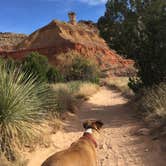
point(82, 69)
point(135, 84)
point(120, 83)
point(53, 75)
point(10, 63)
point(23, 100)
point(74, 86)
point(36, 64)
point(65, 59)
point(86, 89)
point(67, 94)
point(78, 67)
point(64, 98)
point(39, 65)
point(152, 102)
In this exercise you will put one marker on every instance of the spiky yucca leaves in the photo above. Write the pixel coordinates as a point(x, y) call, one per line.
point(22, 104)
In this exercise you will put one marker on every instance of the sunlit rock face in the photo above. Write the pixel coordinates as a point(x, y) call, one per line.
point(60, 37)
point(9, 40)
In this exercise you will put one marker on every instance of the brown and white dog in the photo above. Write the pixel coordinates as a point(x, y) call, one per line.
point(81, 152)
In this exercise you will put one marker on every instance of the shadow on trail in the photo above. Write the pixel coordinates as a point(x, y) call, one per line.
point(113, 116)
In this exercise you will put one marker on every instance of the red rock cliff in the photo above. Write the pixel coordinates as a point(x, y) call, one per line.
point(59, 37)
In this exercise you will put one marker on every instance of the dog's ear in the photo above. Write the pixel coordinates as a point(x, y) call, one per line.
point(98, 124)
point(86, 124)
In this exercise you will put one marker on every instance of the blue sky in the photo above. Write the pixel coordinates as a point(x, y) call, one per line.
point(25, 16)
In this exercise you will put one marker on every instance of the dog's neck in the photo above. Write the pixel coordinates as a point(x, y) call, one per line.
point(90, 131)
point(89, 134)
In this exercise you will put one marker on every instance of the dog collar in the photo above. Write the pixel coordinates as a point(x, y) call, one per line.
point(88, 131)
point(89, 136)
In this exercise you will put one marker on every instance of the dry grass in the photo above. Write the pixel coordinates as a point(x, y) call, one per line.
point(86, 90)
point(64, 98)
point(120, 83)
point(67, 95)
point(54, 123)
point(152, 103)
point(20, 161)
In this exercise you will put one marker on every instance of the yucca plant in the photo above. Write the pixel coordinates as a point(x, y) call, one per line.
point(23, 100)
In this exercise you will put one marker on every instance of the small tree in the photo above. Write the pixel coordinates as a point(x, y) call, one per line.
point(37, 64)
point(82, 69)
point(136, 28)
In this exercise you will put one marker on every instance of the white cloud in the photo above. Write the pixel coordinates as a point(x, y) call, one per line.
point(93, 2)
point(89, 2)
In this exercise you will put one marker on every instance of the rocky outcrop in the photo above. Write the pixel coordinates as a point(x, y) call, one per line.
point(60, 37)
point(60, 33)
point(9, 40)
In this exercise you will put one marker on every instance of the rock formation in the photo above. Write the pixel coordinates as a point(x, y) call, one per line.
point(9, 40)
point(72, 18)
point(60, 37)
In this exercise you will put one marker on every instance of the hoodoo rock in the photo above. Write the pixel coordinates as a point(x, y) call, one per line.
point(60, 37)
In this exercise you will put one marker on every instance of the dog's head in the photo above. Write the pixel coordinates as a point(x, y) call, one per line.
point(93, 124)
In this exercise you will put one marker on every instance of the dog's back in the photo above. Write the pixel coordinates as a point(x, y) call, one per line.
point(81, 153)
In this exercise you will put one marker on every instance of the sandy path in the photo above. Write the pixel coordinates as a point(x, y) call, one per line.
point(118, 145)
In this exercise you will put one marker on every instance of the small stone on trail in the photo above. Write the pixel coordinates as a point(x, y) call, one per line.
point(106, 157)
point(101, 146)
point(146, 150)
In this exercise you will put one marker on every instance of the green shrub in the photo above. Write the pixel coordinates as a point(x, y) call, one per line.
point(82, 69)
point(39, 65)
point(53, 75)
point(136, 29)
point(36, 64)
point(23, 101)
point(135, 84)
point(74, 86)
point(10, 63)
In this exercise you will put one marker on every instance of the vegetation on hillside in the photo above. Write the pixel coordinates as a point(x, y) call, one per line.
point(72, 67)
point(39, 65)
point(120, 84)
point(75, 66)
point(136, 29)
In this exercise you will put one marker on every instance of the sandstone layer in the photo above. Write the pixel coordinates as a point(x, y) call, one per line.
point(60, 37)
point(9, 40)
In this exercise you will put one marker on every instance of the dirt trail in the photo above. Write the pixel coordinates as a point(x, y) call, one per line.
point(118, 145)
